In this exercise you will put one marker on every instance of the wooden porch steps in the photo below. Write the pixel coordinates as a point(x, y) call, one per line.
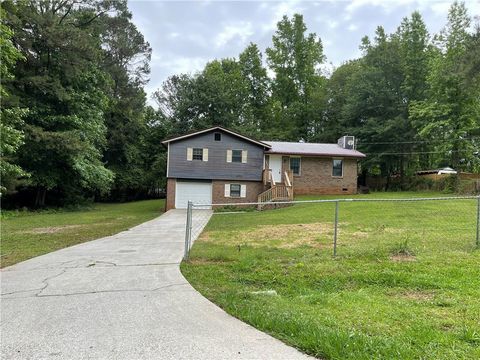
point(277, 191)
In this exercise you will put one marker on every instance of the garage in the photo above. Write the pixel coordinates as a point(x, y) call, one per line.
point(199, 192)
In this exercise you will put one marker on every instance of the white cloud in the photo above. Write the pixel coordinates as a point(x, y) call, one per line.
point(171, 64)
point(438, 7)
point(352, 27)
point(179, 64)
point(196, 38)
point(277, 11)
point(242, 30)
point(186, 35)
point(387, 5)
point(332, 24)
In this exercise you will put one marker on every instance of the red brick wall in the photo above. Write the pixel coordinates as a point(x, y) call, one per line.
point(170, 201)
point(218, 191)
point(316, 177)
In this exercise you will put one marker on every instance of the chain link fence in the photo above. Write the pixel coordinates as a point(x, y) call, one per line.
point(400, 228)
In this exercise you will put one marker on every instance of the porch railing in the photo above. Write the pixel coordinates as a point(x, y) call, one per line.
point(267, 177)
point(276, 193)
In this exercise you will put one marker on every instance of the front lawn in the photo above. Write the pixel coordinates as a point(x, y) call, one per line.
point(405, 283)
point(28, 234)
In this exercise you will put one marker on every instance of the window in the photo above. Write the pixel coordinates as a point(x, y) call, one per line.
point(217, 137)
point(337, 168)
point(295, 165)
point(235, 190)
point(197, 154)
point(237, 156)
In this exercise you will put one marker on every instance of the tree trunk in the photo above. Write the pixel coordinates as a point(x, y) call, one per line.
point(40, 197)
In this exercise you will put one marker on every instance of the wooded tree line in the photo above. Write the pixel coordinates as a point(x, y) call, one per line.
point(75, 123)
point(412, 99)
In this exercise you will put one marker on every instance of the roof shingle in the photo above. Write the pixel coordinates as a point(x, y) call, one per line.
point(312, 149)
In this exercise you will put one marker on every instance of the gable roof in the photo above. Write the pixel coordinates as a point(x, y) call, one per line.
point(260, 143)
point(281, 147)
point(312, 149)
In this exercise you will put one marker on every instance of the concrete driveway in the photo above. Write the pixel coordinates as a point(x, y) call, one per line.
point(122, 297)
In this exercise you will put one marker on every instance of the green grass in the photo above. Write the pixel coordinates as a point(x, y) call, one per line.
point(29, 234)
point(405, 283)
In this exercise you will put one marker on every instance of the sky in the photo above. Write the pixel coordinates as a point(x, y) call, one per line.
point(185, 35)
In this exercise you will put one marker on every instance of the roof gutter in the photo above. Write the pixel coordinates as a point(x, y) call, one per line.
point(360, 155)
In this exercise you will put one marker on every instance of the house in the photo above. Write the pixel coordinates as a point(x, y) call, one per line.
point(220, 166)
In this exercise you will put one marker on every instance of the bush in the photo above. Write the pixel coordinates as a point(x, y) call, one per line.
point(449, 184)
point(468, 187)
point(411, 183)
point(419, 183)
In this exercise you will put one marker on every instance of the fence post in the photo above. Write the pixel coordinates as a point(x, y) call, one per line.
point(478, 222)
point(335, 231)
point(188, 230)
point(191, 226)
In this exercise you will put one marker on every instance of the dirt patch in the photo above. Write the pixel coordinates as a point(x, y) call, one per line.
point(282, 236)
point(416, 295)
point(57, 229)
point(403, 258)
point(360, 234)
point(50, 229)
point(124, 218)
point(447, 326)
point(103, 223)
point(393, 230)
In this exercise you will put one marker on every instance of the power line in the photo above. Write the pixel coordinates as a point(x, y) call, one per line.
point(413, 142)
point(417, 152)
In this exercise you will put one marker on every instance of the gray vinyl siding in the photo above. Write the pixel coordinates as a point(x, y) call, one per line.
point(216, 167)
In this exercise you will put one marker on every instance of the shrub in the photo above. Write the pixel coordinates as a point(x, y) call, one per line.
point(411, 183)
point(468, 187)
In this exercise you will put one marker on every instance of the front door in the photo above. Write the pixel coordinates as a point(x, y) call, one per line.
point(276, 167)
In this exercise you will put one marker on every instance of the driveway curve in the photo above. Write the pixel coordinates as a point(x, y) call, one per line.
point(122, 297)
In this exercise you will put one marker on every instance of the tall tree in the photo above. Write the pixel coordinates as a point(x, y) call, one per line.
point(451, 111)
point(415, 51)
point(375, 108)
point(295, 58)
point(220, 94)
point(257, 103)
point(226, 92)
point(176, 101)
point(414, 47)
point(11, 117)
point(126, 57)
point(65, 91)
point(369, 98)
point(471, 62)
point(338, 121)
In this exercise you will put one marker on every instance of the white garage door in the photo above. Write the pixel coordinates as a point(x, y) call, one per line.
point(195, 191)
